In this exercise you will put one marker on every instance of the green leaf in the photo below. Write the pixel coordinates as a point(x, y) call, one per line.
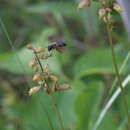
point(87, 104)
point(61, 7)
point(33, 113)
point(17, 62)
point(96, 61)
point(109, 123)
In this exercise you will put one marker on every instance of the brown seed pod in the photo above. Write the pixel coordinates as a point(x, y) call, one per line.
point(34, 90)
point(84, 3)
point(38, 77)
point(117, 8)
point(39, 50)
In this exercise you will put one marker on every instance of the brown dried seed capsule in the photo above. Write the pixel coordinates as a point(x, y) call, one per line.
point(30, 47)
point(38, 77)
point(117, 8)
point(54, 78)
point(36, 68)
point(108, 18)
point(47, 68)
point(108, 9)
point(45, 56)
point(32, 63)
point(34, 90)
point(102, 12)
point(84, 3)
point(39, 50)
point(63, 87)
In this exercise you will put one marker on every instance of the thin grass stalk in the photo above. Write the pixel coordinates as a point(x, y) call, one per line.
point(110, 102)
point(48, 117)
point(117, 72)
point(120, 71)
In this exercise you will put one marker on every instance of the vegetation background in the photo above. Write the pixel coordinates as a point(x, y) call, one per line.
point(86, 65)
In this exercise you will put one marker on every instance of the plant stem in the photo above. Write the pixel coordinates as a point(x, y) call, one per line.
point(117, 71)
point(52, 97)
point(58, 111)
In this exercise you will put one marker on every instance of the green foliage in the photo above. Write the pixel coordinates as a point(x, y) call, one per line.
point(86, 57)
point(53, 7)
point(87, 102)
point(96, 61)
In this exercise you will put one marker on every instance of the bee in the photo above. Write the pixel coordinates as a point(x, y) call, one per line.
point(58, 46)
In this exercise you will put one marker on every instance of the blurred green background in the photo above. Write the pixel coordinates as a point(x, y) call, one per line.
point(86, 65)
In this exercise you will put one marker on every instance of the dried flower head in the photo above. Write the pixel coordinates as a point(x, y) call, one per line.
point(32, 63)
point(54, 78)
point(39, 50)
point(44, 78)
point(38, 77)
point(102, 12)
point(84, 3)
point(117, 8)
point(63, 87)
point(34, 90)
point(45, 56)
point(30, 47)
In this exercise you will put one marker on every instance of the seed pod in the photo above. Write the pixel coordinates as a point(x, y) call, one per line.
point(117, 8)
point(39, 50)
point(108, 18)
point(38, 77)
point(34, 90)
point(47, 68)
point(30, 47)
point(102, 12)
point(36, 68)
point(32, 63)
point(84, 3)
point(54, 78)
point(63, 87)
point(45, 56)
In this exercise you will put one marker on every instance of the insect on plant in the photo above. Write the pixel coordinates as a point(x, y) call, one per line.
point(59, 46)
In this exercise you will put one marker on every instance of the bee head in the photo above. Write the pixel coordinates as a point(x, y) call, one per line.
point(61, 44)
point(50, 48)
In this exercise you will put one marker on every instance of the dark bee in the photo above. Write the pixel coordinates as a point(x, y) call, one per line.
point(59, 46)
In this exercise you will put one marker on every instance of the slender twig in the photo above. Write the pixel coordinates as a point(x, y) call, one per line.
point(52, 97)
point(117, 72)
point(40, 64)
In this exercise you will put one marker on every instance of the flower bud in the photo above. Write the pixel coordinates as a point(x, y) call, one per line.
point(84, 3)
point(34, 90)
point(117, 8)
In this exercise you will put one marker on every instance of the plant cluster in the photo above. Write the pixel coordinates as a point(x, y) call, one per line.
point(43, 76)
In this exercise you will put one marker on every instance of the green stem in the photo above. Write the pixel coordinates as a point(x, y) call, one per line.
point(52, 97)
point(58, 111)
point(49, 119)
point(117, 72)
